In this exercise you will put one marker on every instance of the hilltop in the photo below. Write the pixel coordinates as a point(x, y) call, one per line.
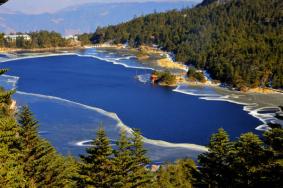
point(239, 42)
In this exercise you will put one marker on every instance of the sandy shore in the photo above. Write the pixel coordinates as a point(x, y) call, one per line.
point(263, 97)
point(149, 56)
point(157, 59)
point(160, 60)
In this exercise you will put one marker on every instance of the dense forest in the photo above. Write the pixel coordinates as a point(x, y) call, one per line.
point(239, 42)
point(28, 160)
point(42, 39)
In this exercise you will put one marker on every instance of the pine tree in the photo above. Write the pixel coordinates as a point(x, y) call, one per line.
point(10, 134)
point(180, 174)
point(274, 138)
point(215, 168)
point(96, 167)
point(5, 99)
point(140, 175)
point(43, 166)
point(123, 161)
point(130, 161)
point(11, 170)
point(250, 161)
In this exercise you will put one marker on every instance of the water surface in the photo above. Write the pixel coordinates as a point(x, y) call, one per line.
point(158, 112)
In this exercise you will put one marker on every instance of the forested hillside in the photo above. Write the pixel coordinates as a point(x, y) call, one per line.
point(240, 42)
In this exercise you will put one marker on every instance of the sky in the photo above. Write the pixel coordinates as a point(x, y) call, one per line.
point(42, 6)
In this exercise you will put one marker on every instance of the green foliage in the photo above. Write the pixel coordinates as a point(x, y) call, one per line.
point(165, 78)
point(43, 166)
point(42, 39)
point(123, 161)
point(181, 175)
point(85, 39)
point(246, 162)
point(214, 169)
point(9, 133)
point(5, 103)
point(5, 99)
point(274, 138)
point(3, 71)
point(11, 171)
point(97, 165)
point(139, 174)
point(103, 166)
point(238, 42)
point(193, 74)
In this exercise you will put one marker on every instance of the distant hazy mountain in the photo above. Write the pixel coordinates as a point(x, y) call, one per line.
point(83, 18)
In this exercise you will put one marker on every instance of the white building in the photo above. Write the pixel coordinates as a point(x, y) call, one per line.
point(72, 37)
point(14, 37)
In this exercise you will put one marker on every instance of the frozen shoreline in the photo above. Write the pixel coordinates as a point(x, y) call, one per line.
point(250, 102)
point(158, 148)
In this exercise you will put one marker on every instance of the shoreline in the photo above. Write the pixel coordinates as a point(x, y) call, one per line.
point(122, 49)
point(253, 100)
point(239, 98)
point(247, 99)
point(156, 59)
point(150, 58)
point(53, 49)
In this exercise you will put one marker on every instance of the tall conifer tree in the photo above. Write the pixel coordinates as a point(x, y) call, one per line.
point(96, 167)
point(123, 161)
point(140, 175)
point(215, 169)
point(43, 166)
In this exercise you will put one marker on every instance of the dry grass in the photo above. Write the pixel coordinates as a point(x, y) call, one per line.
point(168, 64)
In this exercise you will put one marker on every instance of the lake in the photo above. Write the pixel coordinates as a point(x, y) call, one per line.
point(73, 94)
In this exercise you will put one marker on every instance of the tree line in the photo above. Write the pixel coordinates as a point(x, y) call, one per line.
point(43, 39)
point(28, 160)
point(238, 42)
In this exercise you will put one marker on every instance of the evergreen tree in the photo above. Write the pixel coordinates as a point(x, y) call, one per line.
point(215, 168)
point(43, 167)
point(11, 169)
point(247, 162)
point(140, 175)
point(10, 134)
point(250, 161)
point(181, 174)
point(130, 161)
point(123, 162)
point(274, 138)
point(5, 99)
point(96, 168)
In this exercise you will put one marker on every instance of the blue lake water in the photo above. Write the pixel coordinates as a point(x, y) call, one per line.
point(71, 95)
